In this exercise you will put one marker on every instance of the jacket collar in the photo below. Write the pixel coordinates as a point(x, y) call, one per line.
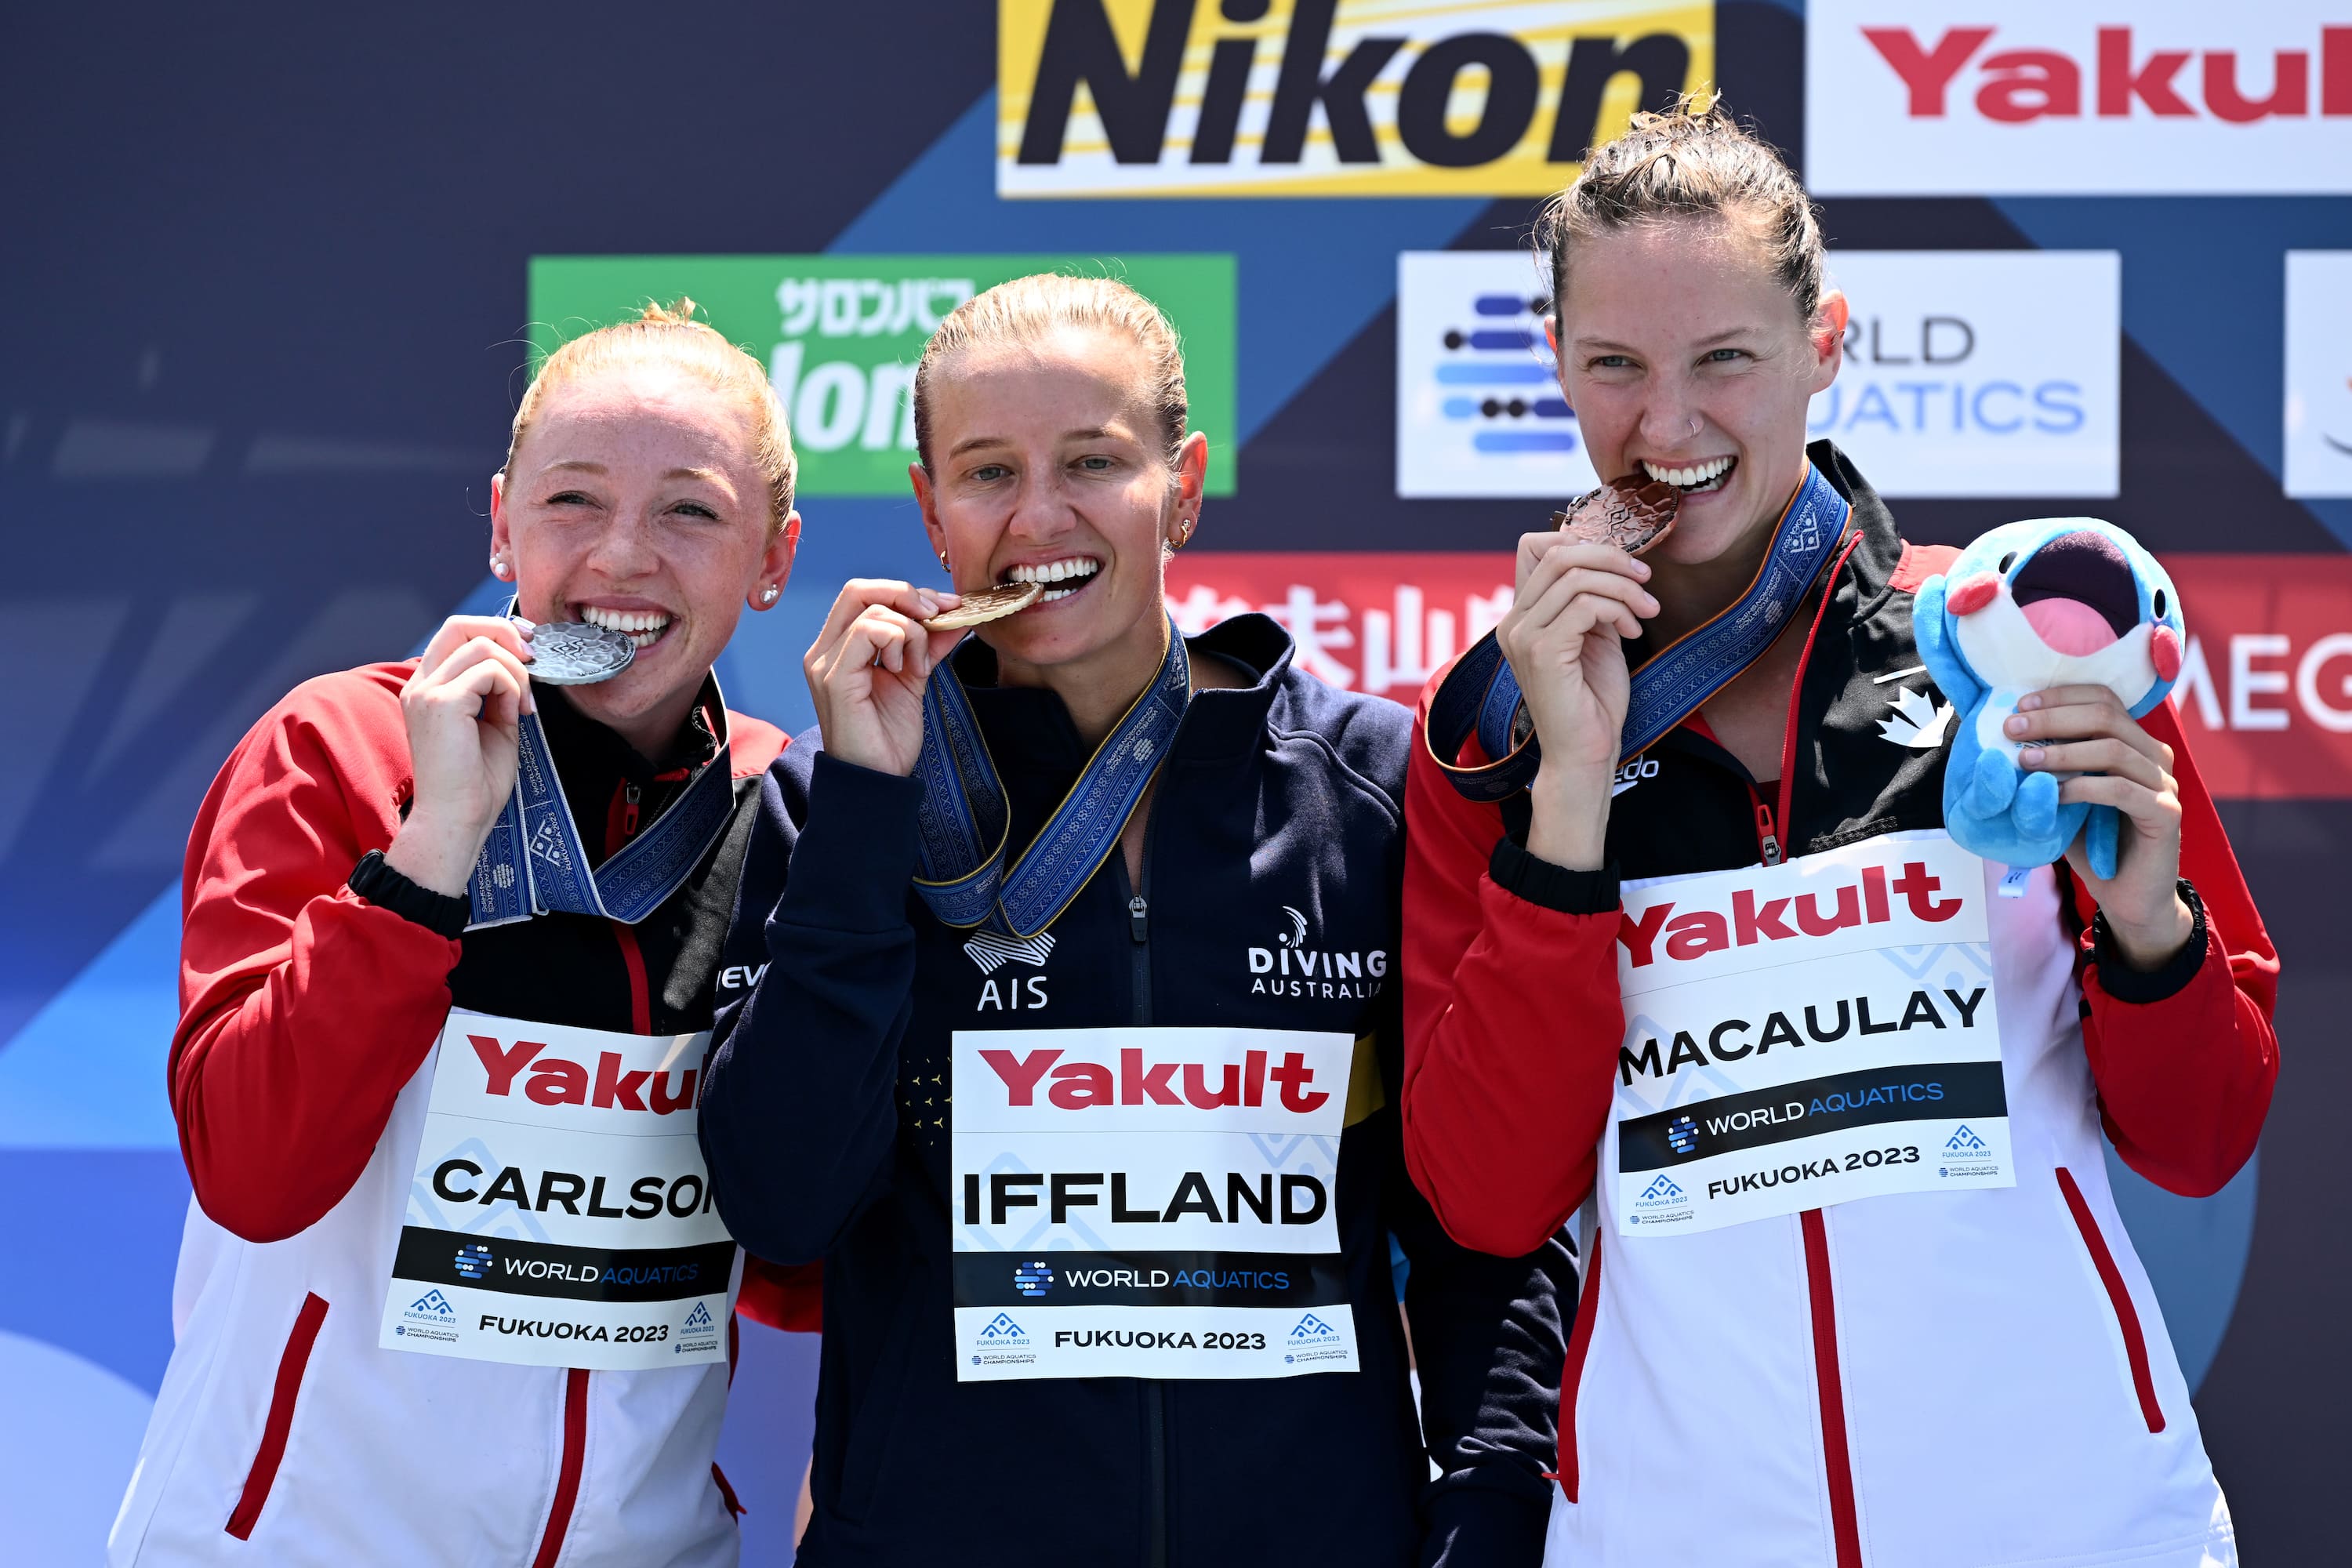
point(1880, 548)
point(591, 755)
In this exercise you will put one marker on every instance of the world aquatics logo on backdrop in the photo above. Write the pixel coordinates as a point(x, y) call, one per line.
point(1327, 98)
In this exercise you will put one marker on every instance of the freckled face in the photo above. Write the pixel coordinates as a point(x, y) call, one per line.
point(1049, 466)
point(636, 501)
point(1685, 360)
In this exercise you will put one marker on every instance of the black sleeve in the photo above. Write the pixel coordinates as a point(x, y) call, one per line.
point(1489, 1339)
point(799, 1114)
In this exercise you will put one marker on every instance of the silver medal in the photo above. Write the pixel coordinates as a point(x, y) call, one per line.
point(574, 653)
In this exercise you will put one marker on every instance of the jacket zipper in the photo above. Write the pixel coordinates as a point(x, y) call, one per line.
point(1837, 1456)
point(1155, 1400)
point(1767, 841)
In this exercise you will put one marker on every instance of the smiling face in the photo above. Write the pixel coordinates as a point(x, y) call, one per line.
point(1685, 360)
point(1050, 465)
point(636, 501)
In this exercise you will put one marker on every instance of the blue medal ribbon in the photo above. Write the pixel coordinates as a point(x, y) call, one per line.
point(533, 860)
point(963, 820)
point(1481, 695)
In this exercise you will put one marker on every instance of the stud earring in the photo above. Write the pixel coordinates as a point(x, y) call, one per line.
point(500, 569)
point(768, 595)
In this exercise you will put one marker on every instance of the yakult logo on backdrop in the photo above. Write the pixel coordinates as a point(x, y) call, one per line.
point(1979, 372)
point(1305, 98)
point(2017, 96)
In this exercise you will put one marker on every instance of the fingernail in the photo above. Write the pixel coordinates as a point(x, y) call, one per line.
point(2029, 702)
point(2015, 725)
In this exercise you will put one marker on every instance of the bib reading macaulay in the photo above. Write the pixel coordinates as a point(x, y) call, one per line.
point(1804, 1034)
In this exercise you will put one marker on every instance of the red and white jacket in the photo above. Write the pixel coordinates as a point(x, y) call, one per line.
point(1929, 1380)
point(299, 1077)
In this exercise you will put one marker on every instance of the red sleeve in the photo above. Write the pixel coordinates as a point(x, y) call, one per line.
point(303, 1008)
point(2185, 1081)
point(791, 1298)
point(1511, 1025)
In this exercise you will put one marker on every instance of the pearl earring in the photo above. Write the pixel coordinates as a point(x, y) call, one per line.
point(500, 569)
point(768, 595)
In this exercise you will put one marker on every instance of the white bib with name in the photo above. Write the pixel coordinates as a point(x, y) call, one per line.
point(1807, 1034)
point(1150, 1202)
point(560, 1213)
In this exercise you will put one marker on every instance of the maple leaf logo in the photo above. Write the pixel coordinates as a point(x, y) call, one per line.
point(1918, 722)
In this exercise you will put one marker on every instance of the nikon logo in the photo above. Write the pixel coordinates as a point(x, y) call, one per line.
point(1307, 98)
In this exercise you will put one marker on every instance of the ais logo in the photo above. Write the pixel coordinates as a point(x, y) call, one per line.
point(1332, 98)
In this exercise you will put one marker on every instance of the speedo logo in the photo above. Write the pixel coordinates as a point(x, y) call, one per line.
point(1632, 773)
point(1867, 901)
point(558, 1081)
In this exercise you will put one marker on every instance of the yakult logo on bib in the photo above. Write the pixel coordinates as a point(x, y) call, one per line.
point(558, 1081)
point(1077, 1085)
point(1659, 933)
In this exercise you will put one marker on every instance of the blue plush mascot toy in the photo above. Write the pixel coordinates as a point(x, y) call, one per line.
point(2066, 601)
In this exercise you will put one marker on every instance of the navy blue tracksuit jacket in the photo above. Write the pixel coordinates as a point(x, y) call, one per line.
point(826, 1122)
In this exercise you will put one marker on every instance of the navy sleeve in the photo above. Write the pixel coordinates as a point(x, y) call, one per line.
point(799, 1114)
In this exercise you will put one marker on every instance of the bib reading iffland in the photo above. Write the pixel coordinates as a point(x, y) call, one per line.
point(1150, 1202)
point(1804, 1034)
point(560, 1213)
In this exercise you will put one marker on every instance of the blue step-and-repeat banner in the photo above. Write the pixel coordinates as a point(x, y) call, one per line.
point(272, 273)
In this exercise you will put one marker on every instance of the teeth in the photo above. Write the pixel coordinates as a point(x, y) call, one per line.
point(1694, 475)
point(1070, 567)
point(645, 627)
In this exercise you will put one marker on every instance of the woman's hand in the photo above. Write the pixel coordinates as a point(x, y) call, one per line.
point(1575, 604)
point(464, 710)
point(869, 667)
point(2126, 767)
